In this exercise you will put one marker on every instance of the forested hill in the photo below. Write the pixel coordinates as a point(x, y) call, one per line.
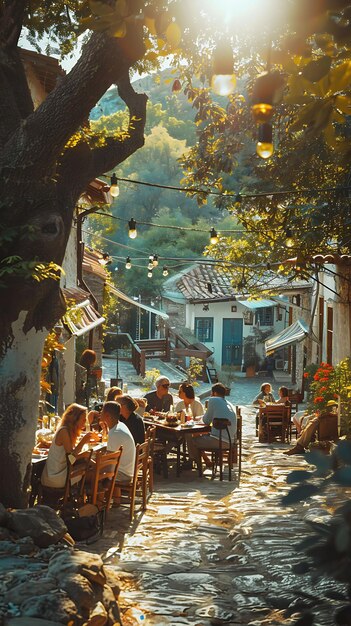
point(170, 131)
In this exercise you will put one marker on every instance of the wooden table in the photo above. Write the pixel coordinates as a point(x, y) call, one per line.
point(177, 434)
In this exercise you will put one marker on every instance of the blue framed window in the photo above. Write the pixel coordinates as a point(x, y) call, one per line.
point(204, 328)
point(265, 316)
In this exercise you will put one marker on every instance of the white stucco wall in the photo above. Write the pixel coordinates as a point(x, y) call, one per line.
point(220, 311)
point(69, 264)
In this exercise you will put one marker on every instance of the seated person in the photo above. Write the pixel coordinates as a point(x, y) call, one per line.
point(264, 396)
point(188, 402)
point(130, 418)
point(218, 406)
point(71, 425)
point(160, 400)
point(119, 435)
point(283, 396)
point(301, 418)
point(112, 393)
point(307, 435)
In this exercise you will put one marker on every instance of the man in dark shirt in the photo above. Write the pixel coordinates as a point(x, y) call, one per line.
point(159, 400)
point(128, 417)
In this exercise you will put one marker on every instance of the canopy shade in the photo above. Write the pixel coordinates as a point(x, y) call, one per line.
point(257, 304)
point(82, 317)
point(292, 334)
point(123, 296)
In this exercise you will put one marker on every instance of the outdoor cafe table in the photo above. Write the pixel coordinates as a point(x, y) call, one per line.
point(176, 434)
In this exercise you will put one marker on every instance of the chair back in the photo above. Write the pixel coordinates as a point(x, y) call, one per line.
point(76, 475)
point(150, 436)
point(328, 427)
point(277, 418)
point(238, 441)
point(106, 469)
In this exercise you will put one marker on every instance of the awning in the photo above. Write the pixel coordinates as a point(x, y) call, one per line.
point(82, 317)
point(123, 296)
point(298, 331)
point(257, 304)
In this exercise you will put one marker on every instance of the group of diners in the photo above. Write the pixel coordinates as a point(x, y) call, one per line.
point(120, 419)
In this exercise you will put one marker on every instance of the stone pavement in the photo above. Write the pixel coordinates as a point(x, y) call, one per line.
point(207, 553)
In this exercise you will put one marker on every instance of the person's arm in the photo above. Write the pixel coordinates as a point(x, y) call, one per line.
point(209, 415)
point(257, 401)
point(63, 439)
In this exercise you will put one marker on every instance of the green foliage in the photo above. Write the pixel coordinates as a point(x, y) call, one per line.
point(150, 377)
point(14, 267)
point(327, 383)
point(194, 371)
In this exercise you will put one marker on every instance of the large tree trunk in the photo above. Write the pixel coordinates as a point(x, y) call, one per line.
point(19, 401)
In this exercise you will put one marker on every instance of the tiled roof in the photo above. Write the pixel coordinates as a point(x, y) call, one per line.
point(47, 69)
point(91, 263)
point(205, 283)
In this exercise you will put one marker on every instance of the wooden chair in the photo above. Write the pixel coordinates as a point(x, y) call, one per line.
point(328, 427)
point(104, 478)
point(139, 479)
point(276, 418)
point(73, 491)
point(230, 455)
point(150, 436)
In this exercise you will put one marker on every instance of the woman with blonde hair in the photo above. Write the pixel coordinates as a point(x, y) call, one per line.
point(71, 425)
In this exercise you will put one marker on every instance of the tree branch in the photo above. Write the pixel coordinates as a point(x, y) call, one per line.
point(81, 165)
point(104, 61)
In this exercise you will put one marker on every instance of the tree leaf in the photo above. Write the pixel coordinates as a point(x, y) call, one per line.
point(315, 70)
point(340, 77)
point(173, 34)
point(118, 30)
point(343, 103)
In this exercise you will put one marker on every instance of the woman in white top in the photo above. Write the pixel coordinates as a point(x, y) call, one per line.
point(72, 423)
point(188, 403)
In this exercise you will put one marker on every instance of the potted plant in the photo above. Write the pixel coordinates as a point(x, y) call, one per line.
point(251, 358)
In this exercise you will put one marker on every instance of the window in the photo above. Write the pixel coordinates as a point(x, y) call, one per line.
point(204, 328)
point(265, 316)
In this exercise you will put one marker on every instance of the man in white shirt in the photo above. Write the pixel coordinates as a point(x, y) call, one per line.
point(119, 435)
point(219, 407)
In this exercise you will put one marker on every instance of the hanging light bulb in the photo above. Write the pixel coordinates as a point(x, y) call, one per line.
point(264, 146)
point(114, 189)
point(165, 271)
point(238, 199)
point(128, 263)
point(267, 91)
point(149, 274)
point(289, 240)
point(150, 265)
point(155, 260)
point(223, 80)
point(213, 236)
point(105, 260)
point(132, 228)
point(177, 85)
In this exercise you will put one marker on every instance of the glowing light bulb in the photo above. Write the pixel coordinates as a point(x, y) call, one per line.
point(132, 228)
point(262, 112)
point(128, 263)
point(223, 84)
point(149, 274)
point(213, 236)
point(155, 260)
point(264, 146)
point(114, 189)
point(289, 241)
point(165, 271)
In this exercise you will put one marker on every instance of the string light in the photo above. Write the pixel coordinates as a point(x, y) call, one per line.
point(150, 264)
point(149, 274)
point(213, 236)
point(155, 260)
point(165, 271)
point(268, 90)
point(223, 80)
point(128, 263)
point(264, 146)
point(105, 260)
point(114, 189)
point(289, 241)
point(132, 228)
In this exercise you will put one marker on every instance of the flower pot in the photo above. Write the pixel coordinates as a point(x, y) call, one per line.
point(250, 371)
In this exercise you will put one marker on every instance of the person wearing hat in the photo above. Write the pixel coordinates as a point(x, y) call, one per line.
point(159, 400)
point(307, 434)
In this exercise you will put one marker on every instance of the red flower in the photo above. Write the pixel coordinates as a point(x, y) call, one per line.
point(306, 375)
point(316, 377)
point(323, 389)
point(318, 399)
point(335, 395)
point(324, 380)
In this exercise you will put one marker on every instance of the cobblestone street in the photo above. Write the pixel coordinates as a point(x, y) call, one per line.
point(207, 553)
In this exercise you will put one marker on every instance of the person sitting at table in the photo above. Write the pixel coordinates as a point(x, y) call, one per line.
point(283, 396)
point(119, 435)
point(160, 400)
point(71, 425)
point(264, 396)
point(112, 393)
point(306, 434)
point(218, 406)
point(188, 402)
point(130, 418)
